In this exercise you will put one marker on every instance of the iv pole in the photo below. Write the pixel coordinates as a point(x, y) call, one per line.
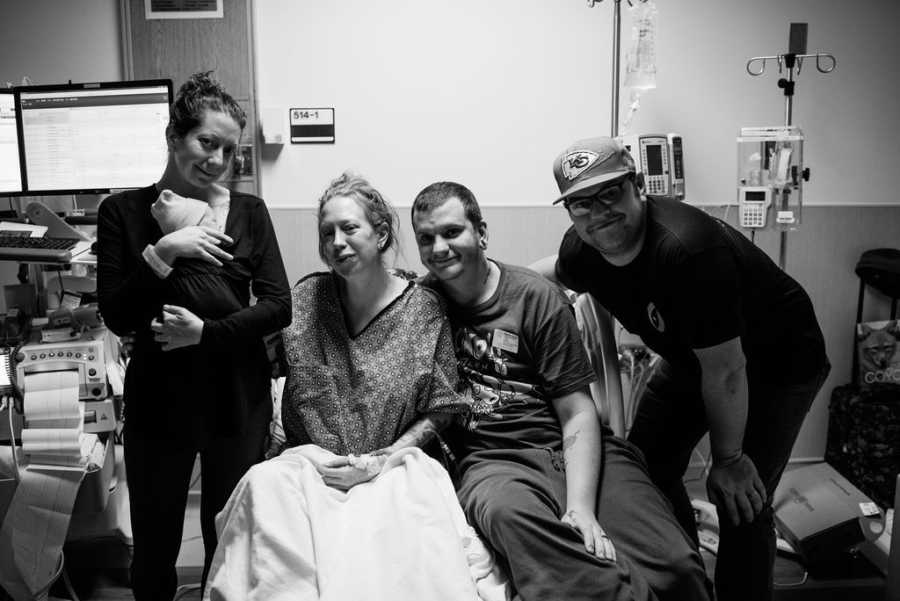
point(790, 60)
point(609, 380)
point(616, 42)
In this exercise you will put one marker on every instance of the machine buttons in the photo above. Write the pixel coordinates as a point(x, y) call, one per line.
point(92, 372)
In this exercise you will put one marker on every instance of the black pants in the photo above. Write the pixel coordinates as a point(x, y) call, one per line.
point(158, 474)
point(516, 498)
point(669, 423)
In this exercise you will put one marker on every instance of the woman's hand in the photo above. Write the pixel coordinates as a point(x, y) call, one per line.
point(197, 242)
point(595, 539)
point(343, 473)
point(178, 328)
point(316, 454)
point(126, 344)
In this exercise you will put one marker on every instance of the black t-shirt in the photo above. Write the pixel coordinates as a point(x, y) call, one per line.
point(698, 282)
point(518, 351)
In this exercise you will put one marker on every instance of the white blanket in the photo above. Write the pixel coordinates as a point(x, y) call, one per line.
point(284, 534)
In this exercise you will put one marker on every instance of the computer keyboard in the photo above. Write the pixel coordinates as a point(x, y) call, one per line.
point(24, 248)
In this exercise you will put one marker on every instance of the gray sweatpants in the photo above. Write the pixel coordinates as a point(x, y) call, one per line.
point(515, 498)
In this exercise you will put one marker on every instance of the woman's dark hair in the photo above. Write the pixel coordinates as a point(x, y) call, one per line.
point(378, 211)
point(201, 93)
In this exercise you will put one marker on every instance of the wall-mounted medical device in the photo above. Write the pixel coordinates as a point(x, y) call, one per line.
point(660, 157)
point(770, 172)
point(676, 165)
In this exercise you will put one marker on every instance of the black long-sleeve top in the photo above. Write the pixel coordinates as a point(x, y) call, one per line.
point(208, 389)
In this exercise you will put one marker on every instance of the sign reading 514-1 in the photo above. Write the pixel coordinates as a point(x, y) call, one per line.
point(312, 126)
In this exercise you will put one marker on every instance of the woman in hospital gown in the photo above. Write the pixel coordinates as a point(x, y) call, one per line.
point(349, 510)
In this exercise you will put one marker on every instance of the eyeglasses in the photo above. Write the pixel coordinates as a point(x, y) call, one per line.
point(581, 206)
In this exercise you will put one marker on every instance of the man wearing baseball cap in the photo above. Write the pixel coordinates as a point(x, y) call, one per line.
point(743, 353)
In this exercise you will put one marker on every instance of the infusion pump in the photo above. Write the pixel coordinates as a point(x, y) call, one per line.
point(660, 157)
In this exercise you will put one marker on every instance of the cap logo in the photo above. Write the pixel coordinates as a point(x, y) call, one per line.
point(576, 163)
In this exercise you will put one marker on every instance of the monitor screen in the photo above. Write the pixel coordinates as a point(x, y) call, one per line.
point(654, 159)
point(10, 169)
point(94, 137)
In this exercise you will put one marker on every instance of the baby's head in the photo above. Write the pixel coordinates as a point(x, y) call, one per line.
point(173, 212)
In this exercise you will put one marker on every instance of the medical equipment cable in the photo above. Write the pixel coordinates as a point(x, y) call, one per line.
point(12, 441)
point(185, 589)
point(62, 291)
point(66, 582)
point(43, 592)
point(16, 393)
point(800, 582)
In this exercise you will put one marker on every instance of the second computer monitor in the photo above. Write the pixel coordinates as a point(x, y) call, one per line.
point(93, 138)
point(10, 169)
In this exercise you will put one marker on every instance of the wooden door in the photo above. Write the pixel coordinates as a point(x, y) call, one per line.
point(176, 48)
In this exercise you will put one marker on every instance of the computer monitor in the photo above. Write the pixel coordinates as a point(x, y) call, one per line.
point(94, 137)
point(10, 167)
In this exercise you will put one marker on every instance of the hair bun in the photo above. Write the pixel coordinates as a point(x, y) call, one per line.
point(199, 93)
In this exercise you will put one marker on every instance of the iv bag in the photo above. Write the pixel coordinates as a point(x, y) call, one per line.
point(640, 60)
point(640, 68)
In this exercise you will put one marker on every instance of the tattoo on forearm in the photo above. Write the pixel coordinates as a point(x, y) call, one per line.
point(569, 441)
point(423, 431)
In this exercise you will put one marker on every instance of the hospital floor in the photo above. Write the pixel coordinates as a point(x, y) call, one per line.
point(97, 563)
point(792, 582)
point(98, 568)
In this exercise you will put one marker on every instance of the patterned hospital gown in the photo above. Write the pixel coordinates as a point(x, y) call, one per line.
point(357, 394)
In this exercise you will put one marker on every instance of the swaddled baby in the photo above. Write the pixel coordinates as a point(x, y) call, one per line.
point(197, 285)
point(173, 212)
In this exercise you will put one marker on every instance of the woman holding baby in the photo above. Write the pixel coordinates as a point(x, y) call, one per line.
point(177, 264)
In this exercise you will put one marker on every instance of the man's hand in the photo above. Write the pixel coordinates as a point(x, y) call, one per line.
point(178, 328)
point(343, 473)
point(197, 242)
point(737, 490)
point(595, 539)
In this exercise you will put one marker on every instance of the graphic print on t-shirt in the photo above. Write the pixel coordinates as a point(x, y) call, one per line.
point(486, 366)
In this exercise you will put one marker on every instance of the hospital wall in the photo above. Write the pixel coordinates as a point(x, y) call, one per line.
point(487, 93)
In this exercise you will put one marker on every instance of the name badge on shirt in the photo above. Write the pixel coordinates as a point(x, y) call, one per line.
point(505, 341)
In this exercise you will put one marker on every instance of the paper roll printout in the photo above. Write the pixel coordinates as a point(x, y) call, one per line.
point(51, 400)
point(58, 441)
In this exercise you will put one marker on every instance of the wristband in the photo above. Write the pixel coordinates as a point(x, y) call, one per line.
point(159, 267)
